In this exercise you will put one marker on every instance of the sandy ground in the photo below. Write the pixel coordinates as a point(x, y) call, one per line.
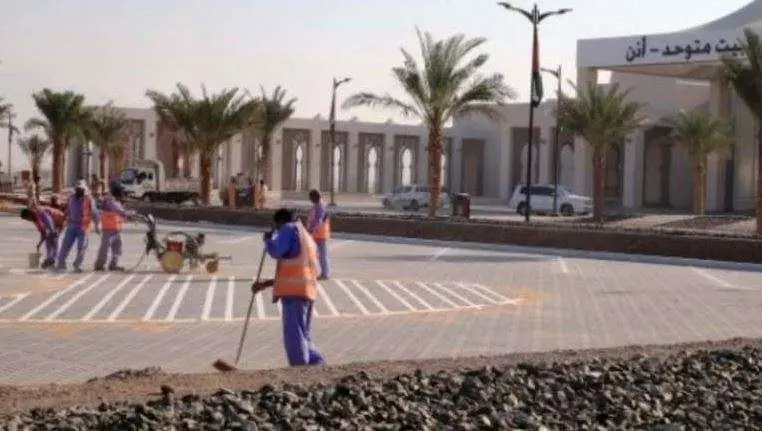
point(15, 399)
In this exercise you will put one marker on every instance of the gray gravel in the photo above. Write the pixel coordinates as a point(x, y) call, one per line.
point(717, 389)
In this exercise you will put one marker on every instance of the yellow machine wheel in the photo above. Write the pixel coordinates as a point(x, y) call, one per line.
point(172, 262)
point(212, 266)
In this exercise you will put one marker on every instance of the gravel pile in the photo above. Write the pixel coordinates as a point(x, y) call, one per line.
point(130, 374)
point(718, 390)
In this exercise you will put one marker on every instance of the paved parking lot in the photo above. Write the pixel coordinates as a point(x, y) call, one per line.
point(387, 299)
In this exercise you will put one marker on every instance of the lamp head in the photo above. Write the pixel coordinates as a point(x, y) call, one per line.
point(507, 5)
point(563, 11)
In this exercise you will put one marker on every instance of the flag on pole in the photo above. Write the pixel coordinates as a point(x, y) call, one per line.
point(537, 90)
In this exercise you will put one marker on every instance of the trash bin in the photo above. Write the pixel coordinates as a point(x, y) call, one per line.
point(461, 205)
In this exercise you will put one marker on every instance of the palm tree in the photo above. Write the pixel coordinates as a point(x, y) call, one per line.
point(745, 75)
point(274, 111)
point(446, 86)
point(206, 123)
point(64, 118)
point(700, 133)
point(168, 108)
point(107, 129)
point(35, 148)
point(603, 117)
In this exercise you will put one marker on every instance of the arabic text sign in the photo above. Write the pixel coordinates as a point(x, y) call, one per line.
point(697, 49)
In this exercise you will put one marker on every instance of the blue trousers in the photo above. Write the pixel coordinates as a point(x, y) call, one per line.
point(322, 252)
point(51, 247)
point(297, 319)
point(110, 239)
point(72, 234)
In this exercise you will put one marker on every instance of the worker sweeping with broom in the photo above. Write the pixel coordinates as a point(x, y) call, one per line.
point(294, 285)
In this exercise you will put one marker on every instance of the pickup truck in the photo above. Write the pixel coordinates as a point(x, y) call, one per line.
point(146, 181)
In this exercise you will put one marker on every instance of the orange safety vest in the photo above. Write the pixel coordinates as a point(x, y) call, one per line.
point(323, 229)
point(57, 215)
point(111, 221)
point(87, 213)
point(298, 276)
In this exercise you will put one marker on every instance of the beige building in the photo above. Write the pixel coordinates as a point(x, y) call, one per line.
point(488, 158)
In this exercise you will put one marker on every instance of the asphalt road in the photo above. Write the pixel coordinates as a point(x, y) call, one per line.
point(388, 299)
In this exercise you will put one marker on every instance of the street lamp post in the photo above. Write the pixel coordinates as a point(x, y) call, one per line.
point(557, 134)
point(11, 131)
point(535, 17)
point(332, 133)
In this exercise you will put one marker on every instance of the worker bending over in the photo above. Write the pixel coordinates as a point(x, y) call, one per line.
point(44, 220)
point(319, 226)
point(81, 216)
point(112, 221)
point(295, 285)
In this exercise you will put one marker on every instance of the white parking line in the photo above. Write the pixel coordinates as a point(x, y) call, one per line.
point(716, 280)
point(562, 264)
point(454, 294)
point(209, 298)
point(323, 294)
point(236, 240)
point(260, 306)
point(107, 298)
point(352, 297)
point(409, 292)
point(179, 299)
point(118, 310)
point(159, 297)
point(477, 293)
point(491, 292)
point(396, 295)
point(439, 253)
point(76, 297)
point(437, 294)
point(55, 296)
point(370, 296)
point(229, 299)
point(15, 301)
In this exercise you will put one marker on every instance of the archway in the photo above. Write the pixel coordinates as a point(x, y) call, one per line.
point(443, 172)
point(566, 167)
point(612, 188)
point(299, 167)
point(372, 171)
point(535, 163)
point(338, 161)
point(406, 167)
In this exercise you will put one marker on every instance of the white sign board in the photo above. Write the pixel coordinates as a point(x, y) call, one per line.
point(674, 48)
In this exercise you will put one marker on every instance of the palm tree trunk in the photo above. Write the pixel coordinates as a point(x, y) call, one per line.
point(36, 177)
point(186, 163)
point(699, 186)
point(206, 177)
point(265, 162)
point(102, 164)
point(58, 144)
point(759, 181)
point(599, 171)
point(435, 169)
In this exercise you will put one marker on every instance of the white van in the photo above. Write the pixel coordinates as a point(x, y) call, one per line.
point(568, 203)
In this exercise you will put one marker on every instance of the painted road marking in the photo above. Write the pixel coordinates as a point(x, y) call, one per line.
point(159, 297)
point(439, 253)
point(179, 299)
point(54, 297)
point(107, 298)
point(562, 265)
point(358, 298)
point(716, 280)
point(209, 298)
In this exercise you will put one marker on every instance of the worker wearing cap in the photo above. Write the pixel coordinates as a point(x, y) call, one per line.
point(82, 215)
point(295, 285)
point(319, 226)
point(113, 215)
point(44, 220)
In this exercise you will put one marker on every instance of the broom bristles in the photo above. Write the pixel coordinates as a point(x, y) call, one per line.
point(223, 366)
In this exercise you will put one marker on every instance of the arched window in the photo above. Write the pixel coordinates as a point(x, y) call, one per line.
point(299, 167)
point(407, 167)
point(371, 171)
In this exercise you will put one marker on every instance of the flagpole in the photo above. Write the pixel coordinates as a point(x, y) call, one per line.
point(535, 17)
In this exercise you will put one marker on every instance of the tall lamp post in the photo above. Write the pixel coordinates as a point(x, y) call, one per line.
point(535, 17)
point(557, 134)
point(332, 133)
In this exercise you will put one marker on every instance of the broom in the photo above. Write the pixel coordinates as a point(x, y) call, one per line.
point(223, 366)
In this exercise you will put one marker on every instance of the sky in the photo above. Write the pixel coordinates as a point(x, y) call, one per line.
point(114, 50)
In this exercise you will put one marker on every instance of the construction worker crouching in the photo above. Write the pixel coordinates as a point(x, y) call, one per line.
point(82, 215)
point(319, 226)
point(45, 220)
point(295, 285)
point(112, 221)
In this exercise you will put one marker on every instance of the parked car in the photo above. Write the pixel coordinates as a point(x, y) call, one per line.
point(413, 197)
point(568, 203)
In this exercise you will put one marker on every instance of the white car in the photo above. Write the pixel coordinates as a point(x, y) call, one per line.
point(413, 197)
point(568, 203)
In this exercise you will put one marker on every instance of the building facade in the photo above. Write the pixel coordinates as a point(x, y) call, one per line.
point(487, 158)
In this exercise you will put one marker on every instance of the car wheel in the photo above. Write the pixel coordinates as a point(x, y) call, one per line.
point(521, 208)
point(567, 210)
point(414, 205)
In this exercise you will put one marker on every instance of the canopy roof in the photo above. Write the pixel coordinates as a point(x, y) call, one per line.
point(693, 53)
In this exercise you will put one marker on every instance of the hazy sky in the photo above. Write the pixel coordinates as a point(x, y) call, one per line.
point(116, 49)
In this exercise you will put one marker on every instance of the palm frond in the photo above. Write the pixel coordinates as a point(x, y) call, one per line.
point(700, 132)
point(745, 74)
point(384, 101)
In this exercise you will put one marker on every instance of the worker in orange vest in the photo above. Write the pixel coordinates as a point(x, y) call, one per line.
point(319, 226)
point(295, 285)
point(82, 215)
point(113, 215)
